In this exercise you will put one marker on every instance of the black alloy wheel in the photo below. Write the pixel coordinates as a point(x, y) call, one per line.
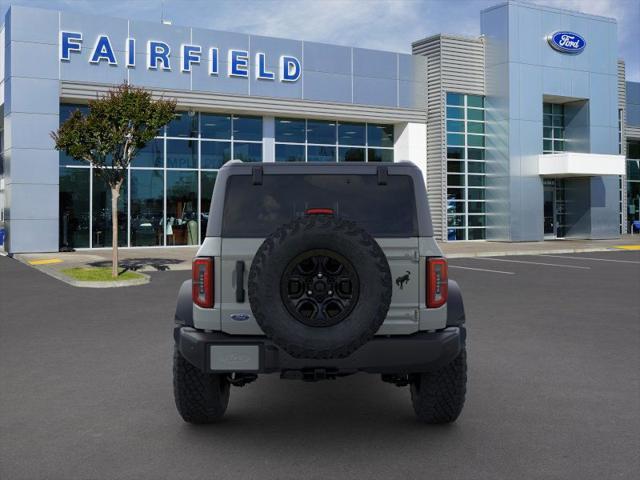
point(320, 288)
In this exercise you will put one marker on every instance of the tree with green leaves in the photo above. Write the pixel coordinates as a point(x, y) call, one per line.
point(110, 135)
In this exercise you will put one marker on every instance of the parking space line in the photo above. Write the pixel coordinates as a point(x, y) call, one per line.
point(591, 258)
point(532, 263)
point(481, 269)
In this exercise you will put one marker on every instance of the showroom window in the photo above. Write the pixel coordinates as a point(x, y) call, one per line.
point(552, 128)
point(166, 197)
point(465, 130)
point(300, 140)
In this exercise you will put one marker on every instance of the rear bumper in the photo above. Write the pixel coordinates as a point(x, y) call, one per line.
point(420, 352)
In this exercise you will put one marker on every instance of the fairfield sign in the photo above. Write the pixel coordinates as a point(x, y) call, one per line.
point(159, 56)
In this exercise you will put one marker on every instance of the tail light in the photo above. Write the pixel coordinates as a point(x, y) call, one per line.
point(202, 282)
point(437, 282)
point(319, 211)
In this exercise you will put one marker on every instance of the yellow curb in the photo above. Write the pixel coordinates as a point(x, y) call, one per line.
point(628, 247)
point(47, 261)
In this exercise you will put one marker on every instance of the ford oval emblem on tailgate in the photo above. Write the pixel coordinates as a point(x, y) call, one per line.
point(240, 317)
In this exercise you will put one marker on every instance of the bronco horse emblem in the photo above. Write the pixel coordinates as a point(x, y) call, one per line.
point(400, 281)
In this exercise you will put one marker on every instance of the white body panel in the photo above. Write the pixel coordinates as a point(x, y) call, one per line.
point(407, 313)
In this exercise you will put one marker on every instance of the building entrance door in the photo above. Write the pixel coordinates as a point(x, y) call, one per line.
point(555, 208)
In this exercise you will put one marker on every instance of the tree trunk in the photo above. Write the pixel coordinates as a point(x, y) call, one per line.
point(115, 193)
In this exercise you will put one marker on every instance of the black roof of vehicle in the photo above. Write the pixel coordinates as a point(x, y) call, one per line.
point(257, 170)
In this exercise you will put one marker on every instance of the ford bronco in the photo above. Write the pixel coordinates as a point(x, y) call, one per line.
point(318, 271)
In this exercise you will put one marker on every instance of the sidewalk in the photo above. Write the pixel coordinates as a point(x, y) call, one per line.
point(179, 258)
point(498, 249)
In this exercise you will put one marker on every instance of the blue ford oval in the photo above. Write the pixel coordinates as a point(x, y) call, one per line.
point(567, 42)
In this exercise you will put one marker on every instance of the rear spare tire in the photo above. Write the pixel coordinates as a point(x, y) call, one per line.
point(320, 287)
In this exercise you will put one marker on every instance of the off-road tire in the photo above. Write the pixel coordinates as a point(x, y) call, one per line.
point(303, 235)
point(200, 397)
point(438, 397)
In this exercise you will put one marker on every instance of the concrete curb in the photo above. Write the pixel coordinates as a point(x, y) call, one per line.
point(530, 252)
point(85, 284)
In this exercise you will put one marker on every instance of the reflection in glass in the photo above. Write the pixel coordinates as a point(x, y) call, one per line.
point(215, 126)
point(455, 180)
point(476, 207)
point(454, 112)
point(289, 153)
point(475, 154)
point(247, 152)
point(476, 167)
point(477, 115)
point(476, 180)
point(182, 208)
point(475, 101)
point(475, 140)
point(455, 234)
point(476, 193)
point(474, 127)
point(321, 153)
point(147, 187)
point(182, 154)
point(151, 155)
point(455, 152)
point(455, 139)
point(455, 167)
point(476, 234)
point(320, 131)
point(101, 216)
point(214, 154)
point(380, 155)
point(351, 133)
point(455, 220)
point(476, 220)
point(455, 98)
point(66, 109)
point(207, 182)
point(455, 193)
point(455, 126)
point(290, 130)
point(247, 128)
point(74, 207)
point(350, 154)
point(185, 124)
point(379, 135)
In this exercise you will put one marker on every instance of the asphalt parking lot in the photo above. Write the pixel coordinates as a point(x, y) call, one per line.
point(554, 387)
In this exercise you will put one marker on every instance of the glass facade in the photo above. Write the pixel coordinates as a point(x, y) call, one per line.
point(300, 140)
point(552, 128)
point(465, 130)
point(633, 185)
point(166, 197)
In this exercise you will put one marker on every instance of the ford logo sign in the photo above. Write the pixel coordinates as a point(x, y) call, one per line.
point(567, 42)
point(240, 317)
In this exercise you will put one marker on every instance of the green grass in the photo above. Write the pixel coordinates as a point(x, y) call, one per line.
point(98, 274)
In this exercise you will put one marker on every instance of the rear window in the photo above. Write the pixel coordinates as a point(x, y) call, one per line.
point(257, 210)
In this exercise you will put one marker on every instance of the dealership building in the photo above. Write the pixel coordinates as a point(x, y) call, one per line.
point(525, 133)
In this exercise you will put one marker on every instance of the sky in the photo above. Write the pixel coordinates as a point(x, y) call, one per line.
point(378, 24)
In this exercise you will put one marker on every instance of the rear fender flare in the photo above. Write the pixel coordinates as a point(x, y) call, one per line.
point(455, 306)
point(184, 307)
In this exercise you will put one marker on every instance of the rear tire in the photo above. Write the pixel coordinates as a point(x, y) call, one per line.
point(200, 397)
point(438, 397)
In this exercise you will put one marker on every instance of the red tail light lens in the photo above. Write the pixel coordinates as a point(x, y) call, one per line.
point(319, 211)
point(437, 282)
point(202, 282)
